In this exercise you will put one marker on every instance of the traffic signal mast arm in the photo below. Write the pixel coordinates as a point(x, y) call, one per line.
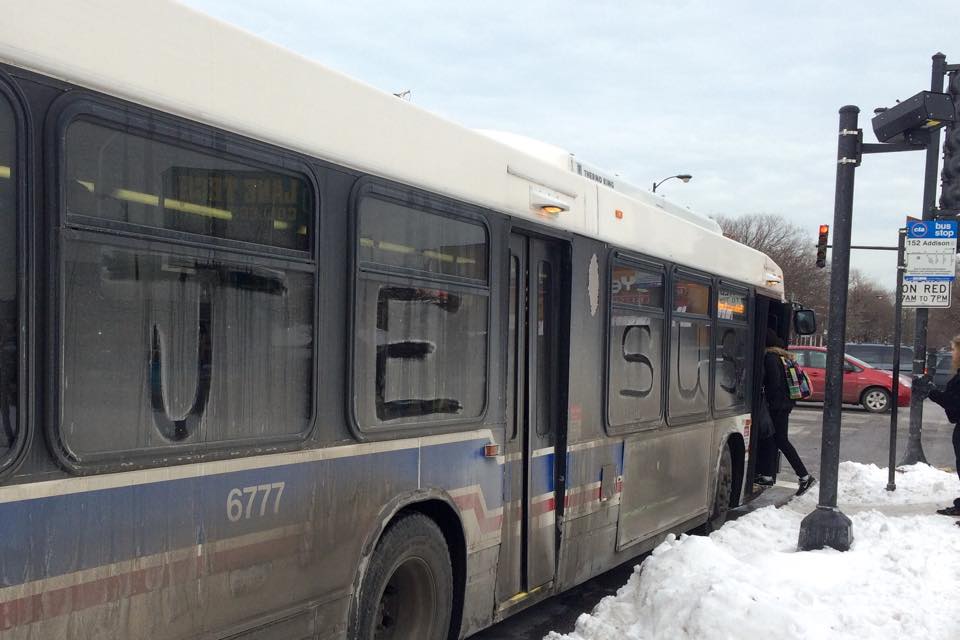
point(822, 246)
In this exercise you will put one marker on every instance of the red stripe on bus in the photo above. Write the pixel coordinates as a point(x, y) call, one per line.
point(542, 507)
point(66, 600)
point(581, 497)
point(474, 502)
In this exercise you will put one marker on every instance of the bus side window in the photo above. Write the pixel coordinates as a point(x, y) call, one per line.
point(8, 280)
point(635, 352)
point(731, 386)
point(422, 316)
point(404, 389)
point(135, 179)
point(690, 337)
point(195, 328)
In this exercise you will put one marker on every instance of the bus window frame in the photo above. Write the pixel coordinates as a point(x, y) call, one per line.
point(744, 407)
point(185, 134)
point(11, 460)
point(429, 203)
point(191, 135)
point(628, 259)
point(685, 273)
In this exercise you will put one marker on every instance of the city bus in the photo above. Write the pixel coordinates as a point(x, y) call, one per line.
point(284, 356)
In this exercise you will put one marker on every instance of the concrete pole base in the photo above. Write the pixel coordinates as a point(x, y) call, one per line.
point(825, 527)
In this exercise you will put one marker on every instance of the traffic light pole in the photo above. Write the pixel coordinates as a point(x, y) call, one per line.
point(897, 337)
point(914, 452)
point(827, 526)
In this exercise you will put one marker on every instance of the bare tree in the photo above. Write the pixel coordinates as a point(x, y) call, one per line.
point(943, 325)
point(791, 248)
point(869, 311)
point(869, 306)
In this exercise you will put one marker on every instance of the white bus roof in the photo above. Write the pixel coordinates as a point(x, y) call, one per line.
point(167, 56)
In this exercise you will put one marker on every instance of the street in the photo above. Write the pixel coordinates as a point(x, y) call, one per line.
point(864, 438)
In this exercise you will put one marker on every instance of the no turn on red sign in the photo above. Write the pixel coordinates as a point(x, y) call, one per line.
point(927, 294)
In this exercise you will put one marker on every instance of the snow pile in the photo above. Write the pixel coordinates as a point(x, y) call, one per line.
point(900, 579)
point(863, 486)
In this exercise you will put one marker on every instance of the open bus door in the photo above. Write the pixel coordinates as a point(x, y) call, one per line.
point(785, 318)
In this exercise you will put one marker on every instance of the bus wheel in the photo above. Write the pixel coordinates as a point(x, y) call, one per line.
point(407, 590)
point(721, 498)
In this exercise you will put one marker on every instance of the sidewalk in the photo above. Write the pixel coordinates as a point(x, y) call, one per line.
point(775, 496)
point(900, 579)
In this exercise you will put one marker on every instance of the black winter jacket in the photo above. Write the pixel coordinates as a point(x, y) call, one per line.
point(949, 398)
point(775, 381)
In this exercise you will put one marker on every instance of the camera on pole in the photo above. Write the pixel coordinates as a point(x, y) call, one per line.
point(822, 246)
point(913, 119)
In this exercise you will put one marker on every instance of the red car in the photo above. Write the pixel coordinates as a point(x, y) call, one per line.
point(862, 384)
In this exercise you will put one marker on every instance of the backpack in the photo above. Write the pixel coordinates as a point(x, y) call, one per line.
point(798, 384)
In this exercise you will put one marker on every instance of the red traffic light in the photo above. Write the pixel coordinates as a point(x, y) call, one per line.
point(822, 246)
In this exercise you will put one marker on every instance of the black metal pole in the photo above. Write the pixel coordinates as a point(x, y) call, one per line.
point(897, 337)
point(827, 526)
point(867, 247)
point(914, 451)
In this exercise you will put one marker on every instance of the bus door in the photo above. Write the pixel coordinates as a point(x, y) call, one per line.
point(768, 314)
point(528, 553)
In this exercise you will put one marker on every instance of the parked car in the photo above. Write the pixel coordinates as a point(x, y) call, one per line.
point(944, 368)
point(868, 386)
point(880, 356)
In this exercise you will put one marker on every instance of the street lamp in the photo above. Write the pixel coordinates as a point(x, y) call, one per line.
point(686, 177)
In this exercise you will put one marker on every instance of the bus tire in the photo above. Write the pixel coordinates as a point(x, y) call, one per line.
point(722, 493)
point(407, 591)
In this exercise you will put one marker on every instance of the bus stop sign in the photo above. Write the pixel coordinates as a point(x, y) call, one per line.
point(931, 251)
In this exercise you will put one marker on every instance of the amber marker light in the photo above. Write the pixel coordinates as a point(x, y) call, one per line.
point(547, 201)
point(491, 450)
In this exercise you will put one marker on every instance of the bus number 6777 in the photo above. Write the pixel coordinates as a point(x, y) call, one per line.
point(241, 503)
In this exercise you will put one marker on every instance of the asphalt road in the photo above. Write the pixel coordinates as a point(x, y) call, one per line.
point(864, 437)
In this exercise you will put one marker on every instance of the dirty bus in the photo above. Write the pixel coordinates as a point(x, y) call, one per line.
point(283, 356)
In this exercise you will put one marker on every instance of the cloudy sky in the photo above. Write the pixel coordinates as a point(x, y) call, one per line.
point(743, 95)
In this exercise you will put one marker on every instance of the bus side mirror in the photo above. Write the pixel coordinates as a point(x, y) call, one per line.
point(805, 322)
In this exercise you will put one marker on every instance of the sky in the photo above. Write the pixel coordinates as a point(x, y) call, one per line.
point(742, 95)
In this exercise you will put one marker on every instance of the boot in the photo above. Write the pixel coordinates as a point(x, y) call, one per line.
point(805, 483)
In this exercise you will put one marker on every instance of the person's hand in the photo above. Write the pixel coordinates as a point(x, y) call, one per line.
point(922, 385)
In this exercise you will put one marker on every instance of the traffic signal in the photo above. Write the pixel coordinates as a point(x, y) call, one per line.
point(950, 185)
point(822, 246)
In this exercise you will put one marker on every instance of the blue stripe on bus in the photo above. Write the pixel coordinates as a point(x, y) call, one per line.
point(462, 464)
point(56, 535)
point(542, 475)
point(46, 537)
point(584, 465)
